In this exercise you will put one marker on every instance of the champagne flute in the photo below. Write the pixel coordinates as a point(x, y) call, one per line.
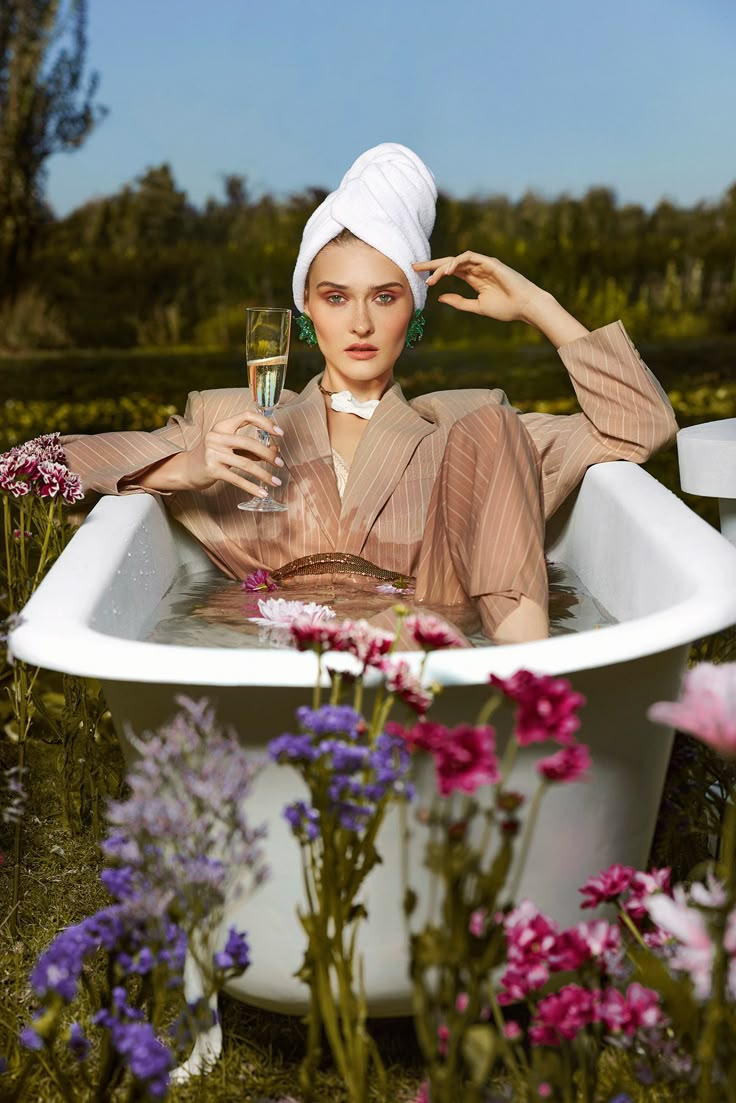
point(266, 353)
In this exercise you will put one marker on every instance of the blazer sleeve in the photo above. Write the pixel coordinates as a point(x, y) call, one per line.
point(626, 414)
point(110, 463)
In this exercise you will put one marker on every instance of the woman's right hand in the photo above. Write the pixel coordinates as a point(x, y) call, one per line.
point(220, 456)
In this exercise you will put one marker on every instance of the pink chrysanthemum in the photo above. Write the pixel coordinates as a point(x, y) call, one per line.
point(401, 681)
point(432, 633)
point(706, 708)
point(607, 885)
point(546, 706)
point(258, 581)
point(568, 764)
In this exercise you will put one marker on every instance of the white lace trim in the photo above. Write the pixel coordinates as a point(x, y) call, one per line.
point(341, 472)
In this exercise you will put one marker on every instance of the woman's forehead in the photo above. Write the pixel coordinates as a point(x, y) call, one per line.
point(354, 265)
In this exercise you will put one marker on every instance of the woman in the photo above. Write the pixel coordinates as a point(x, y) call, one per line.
point(451, 489)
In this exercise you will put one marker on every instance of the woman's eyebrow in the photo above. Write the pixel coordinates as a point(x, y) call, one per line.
point(374, 287)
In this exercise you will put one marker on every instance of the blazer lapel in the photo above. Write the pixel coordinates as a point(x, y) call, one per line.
point(306, 452)
point(385, 449)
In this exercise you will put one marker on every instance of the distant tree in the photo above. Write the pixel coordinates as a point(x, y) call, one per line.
point(44, 109)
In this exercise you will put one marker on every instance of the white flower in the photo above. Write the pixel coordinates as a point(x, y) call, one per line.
point(276, 612)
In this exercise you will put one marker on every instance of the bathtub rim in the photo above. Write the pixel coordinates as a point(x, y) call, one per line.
point(54, 631)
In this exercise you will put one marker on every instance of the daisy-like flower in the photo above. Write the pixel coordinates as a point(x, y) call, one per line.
point(258, 581)
point(276, 612)
point(432, 633)
point(706, 708)
point(401, 681)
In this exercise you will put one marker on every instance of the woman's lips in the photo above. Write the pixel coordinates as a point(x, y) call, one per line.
point(361, 352)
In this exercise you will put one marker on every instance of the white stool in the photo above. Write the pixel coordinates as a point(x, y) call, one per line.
point(707, 455)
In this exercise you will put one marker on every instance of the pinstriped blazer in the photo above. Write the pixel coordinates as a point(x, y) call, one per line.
point(626, 415)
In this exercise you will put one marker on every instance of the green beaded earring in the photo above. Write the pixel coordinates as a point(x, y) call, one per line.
point(306, 329)
point(415, 332)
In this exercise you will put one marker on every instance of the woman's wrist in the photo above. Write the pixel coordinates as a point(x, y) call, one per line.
point(544, 313)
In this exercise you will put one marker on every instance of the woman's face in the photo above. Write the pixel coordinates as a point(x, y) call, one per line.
point(361, 304)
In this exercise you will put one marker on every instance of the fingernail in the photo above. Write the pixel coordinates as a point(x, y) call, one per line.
point(276, 429)
point(275, 481)
point(279, 462)
point(262, 492)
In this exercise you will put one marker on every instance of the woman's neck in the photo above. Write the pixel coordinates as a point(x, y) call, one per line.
point(362, 389)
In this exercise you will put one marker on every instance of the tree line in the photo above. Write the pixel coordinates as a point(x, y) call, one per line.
point(146, 267)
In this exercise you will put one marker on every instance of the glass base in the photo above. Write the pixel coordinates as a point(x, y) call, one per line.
point(263, 505)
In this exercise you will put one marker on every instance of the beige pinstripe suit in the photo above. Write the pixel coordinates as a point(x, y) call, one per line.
point(452, 487)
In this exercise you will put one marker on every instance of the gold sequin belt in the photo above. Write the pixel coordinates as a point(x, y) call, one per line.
point(338, 563)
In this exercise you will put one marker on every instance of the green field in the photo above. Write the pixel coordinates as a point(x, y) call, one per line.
point(104, 390)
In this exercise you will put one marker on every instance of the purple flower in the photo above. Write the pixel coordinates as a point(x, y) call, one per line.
point(292, 748)
point(58, 969)
point(346, 758)
point(304, 821)
point(30, 1039)
point(78, 1043)
point(331, 719)
point(146, 1057)
point(354, 817)
point(118, 881)
point(236, 954)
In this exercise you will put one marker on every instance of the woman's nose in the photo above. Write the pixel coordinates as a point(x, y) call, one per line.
point(362, 324)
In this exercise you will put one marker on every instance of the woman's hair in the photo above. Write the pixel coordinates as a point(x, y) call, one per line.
point(345, 237)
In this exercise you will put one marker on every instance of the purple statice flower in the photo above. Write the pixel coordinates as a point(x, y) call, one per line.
point(293, 748)
point(303, 820)
point(147, 1058)
point(331, 719)
point(78, 1042)
point(345, 758)
point(30, 1038)
point(236, 954)
point(15, 796)
point(119, 881)
point(184, 827)
point(59, 968)
point(354, 817)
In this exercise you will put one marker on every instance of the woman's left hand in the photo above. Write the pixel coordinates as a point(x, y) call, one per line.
point(502, 293)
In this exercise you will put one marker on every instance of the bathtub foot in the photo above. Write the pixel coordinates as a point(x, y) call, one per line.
point(206, 1052)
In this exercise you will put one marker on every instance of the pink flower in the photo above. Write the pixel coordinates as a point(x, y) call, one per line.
point(461, 1003)
point(443, 1037)
point(530, 937)
point(569, 950)
point(511, 1030)
point(607, 885)
point(643, 885)
point(625, 1014)
point(706, 708)
point(544, 1089)
point(431, 632)
point(477, 923)
point(546, 706)
point(401, 681)
point(694, 954)
point(561, 1016)
point(423, 1096)
point(37, 467)
point(568, 764)
point(422, 736)
point(361, 639)
point(259, 580)
point(466, 759)
point(310, 635)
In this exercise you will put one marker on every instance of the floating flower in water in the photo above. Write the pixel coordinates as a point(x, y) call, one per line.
point(277, 612)
point(259, 580)
point(706, 708)
point(395, 587)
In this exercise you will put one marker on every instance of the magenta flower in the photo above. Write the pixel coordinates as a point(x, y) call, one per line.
point(561, 1016)
point(37, 467)
point(432, 633)
point(259, 580)
point(477, 923)
point(313, 635)
point(401, 681)
point(546, 706)
point(466, 759)
point(568, 764)
point(643, 885)
point(361, 639)
point(706, 708)
point(607, 885)
point(422, 736)
point(626, 1013)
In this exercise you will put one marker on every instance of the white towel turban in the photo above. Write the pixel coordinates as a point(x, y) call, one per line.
point(387, 199)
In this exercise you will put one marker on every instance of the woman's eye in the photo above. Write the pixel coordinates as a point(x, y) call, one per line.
point(385, 297)
point(335, 298)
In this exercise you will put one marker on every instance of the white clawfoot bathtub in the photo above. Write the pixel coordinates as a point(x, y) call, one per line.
point(664, 574)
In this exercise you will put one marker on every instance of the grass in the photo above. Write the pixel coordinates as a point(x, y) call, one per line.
point(60, 872)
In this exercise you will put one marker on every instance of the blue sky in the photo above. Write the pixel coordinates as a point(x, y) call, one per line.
point(498, 96)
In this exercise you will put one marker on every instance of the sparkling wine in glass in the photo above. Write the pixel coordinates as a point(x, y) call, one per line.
point(267, 353)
